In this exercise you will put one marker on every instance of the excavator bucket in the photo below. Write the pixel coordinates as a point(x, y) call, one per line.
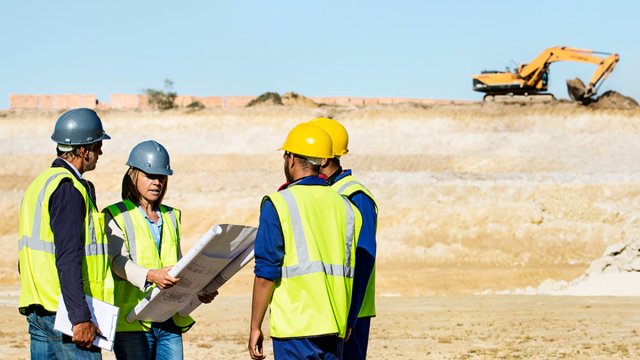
point(577, 90)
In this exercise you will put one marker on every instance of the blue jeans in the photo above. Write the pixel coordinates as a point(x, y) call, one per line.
point(47, 343)
point(162, 342)
point(328, 347)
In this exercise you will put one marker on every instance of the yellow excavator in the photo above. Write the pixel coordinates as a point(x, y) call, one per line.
point(529, 81)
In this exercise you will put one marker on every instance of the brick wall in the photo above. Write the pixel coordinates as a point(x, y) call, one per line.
point(140, 102)
point(127, 102)
point(51, 102)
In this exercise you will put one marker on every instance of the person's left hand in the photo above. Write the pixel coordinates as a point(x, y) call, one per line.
point(206, 298)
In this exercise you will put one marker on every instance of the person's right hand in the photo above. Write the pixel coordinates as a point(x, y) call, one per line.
point(255, 344)
point(84, 333)
point(207, 298)
point(161, 277)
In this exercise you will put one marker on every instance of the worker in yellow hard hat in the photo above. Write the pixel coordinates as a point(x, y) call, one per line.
point(363, 301)
point(304, 256)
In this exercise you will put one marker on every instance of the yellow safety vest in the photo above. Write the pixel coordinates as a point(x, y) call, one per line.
point(143, 251)
point(320, 230)
point(348, 186)
point(36, 249)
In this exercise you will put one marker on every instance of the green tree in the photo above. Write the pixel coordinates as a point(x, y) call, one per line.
point(162, 99)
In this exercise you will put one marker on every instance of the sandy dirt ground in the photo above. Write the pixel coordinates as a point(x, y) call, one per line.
point(473, 198)
point(443, 327)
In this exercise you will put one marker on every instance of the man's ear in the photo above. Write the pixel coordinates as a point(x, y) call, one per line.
point(325, 163)
point(83, 151)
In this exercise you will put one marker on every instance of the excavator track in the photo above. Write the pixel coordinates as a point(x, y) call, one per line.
point(512, 98)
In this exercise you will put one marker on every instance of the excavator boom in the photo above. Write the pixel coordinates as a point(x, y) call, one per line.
point(532, 78)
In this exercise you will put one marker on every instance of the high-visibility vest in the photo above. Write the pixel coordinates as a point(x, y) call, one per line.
point(142, 248)
point(36, 249)
point(348, 186)
point(320, 230)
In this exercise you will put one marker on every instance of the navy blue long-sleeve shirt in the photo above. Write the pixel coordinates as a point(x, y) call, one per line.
point(366, 250)
point(67, 212)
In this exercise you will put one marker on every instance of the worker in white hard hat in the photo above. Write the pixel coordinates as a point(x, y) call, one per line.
point(62, 247)
point(363, 302)
point(144, 243)
point(304, 256)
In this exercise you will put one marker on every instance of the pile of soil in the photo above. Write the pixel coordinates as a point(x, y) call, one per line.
point(266, 99)
point(287, 99)
point(614, 100)
point(293, 99)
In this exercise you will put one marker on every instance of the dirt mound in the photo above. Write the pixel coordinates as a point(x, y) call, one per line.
point(287, 99)
point(615, 273)
point(293, 99)
point(614, 100)
point(266, 99)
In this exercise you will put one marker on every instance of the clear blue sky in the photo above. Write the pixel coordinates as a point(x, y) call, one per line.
point(418, 49)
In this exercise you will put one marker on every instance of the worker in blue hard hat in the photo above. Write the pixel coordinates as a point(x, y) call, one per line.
point(62, 247)
point(144, 243)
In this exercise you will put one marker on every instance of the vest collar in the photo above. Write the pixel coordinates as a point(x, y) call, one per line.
point(307, 180)
point(60, 162)
point(339, 175)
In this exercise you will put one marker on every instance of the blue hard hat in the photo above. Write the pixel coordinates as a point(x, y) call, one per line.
point(79, 127)
point(150, 157)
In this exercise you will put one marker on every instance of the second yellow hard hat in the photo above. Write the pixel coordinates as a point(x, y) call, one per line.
point(338, 133)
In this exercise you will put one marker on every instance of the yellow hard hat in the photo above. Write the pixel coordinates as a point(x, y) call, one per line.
point(308, 140)
point(338, 134)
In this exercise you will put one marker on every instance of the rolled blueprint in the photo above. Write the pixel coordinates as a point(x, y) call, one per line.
point(234, 266)
point(215, 250)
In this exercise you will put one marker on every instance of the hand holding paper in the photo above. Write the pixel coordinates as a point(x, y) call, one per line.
point(103, 314)
point(203, 269)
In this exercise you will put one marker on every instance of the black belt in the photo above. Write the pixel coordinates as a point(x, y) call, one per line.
point(36, 308)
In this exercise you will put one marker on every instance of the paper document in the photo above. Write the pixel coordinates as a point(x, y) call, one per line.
point(220, 253)
point(225, 274)
point(103, 314)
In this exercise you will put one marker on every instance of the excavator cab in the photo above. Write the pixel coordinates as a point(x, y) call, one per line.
point(545, 78)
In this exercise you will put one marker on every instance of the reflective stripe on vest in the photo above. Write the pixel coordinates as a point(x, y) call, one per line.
point(130, 230)
point(347, 186)
point(144, 252)
point(348, 181)
point(320, 231)
point(306, 266)
point(36, 246)
point(35, 243)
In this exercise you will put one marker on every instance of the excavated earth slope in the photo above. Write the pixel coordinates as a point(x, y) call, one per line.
point(473, 198)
